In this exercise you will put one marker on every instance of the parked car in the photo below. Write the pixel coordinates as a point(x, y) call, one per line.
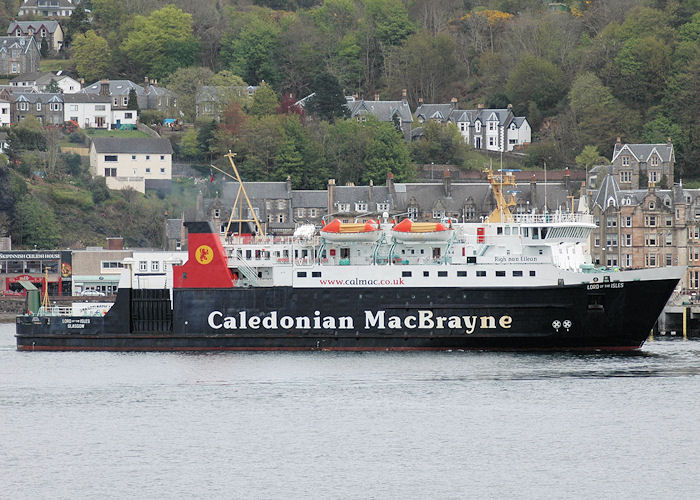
point(92, 293)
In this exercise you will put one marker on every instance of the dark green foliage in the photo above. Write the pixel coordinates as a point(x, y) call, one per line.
point(76, 137)
point(440, 144)
point(36, 224)
point(133, 100)
point(44, 48)
point(53, 88)
point(329, 101)
point(98, 187)
point(73, 164)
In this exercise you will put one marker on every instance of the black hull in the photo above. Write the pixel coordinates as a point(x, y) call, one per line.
point(609, 316)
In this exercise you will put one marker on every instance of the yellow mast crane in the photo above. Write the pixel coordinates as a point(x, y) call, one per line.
point(45, 299)
point(241, 190)
point(502, 211)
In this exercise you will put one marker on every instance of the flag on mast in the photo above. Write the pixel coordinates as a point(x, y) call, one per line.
point(211, 175)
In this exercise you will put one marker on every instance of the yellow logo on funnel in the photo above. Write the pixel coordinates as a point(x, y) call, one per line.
point(204, 254)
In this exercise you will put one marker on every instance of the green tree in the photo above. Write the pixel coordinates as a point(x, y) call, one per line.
point(265, 101)
point(77, 23)
point(91, 55)
point(252, 50)
point(426, 66)
point(132, 103)
point(536, 80)
point(53, 88)
point(599, 116)
point(643, 65)
point(184, 83)
point(44, 47)
point(109, 15)
point(205, 137)
point(161, 42)
point(386, 152)
point(329, 102)
point(441, 144)
point(189, 145)
point(590, 157)
point(36, 224)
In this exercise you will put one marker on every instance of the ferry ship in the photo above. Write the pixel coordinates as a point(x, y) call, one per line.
point(515, 281)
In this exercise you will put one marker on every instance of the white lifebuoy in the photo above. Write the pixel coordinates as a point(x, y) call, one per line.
point(300, 262)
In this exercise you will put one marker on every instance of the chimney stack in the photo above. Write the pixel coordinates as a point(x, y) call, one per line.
point(533, 192)
point(376, 96)
point(403, 95)
point(510, 106)
point(390, 183)
point(447, 183)
point(104, 87)
point(453, 100)
point(480, 106)
point(420, 101)
point(331, 195)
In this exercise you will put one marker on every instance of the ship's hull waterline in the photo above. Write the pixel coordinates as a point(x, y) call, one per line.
point(610, 316)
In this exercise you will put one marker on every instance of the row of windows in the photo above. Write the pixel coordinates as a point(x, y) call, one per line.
point(112, 264)
point(133, 157)
point(112, 172)
point(440, 274)
point(155, 265)
point(53, 106)
point(306, 212)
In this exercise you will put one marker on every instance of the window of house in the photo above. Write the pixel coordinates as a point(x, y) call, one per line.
point(461, 274)
point(438, 214)
point(596, 241)
point(361, 207)
point(532, 273)
point(125, 100)
point(128, 116)
point(442, 274)
point(477, 126)
point(628, 221)
point(625, 176)
point(110, 172)
point(281, 205)
point(405, 274)
point(148, 170)
point(162, 170)
point(654, 161)
point(517, 274)
point(669, 221)
point(651, 260)
point(300, 212)
point(110, 157)
point(115, 101)
point(38, 106)
point(148, 157)
point(23, 106)
point(133, 157)
point(628, 260)
point(611, 239)
point(501, 274)
point(162, 157)
point(652, 205)
point(412, 213)
point(312, 212)
point(217, 213)
point(143, 265)
point(627, 240)
point(481, 274)
point(625, 161)
point(650, 239)
point(491, 141)
point(343, 207)
point(611, 222)
point(73, 107)
point(155, 265)
point(282, 218)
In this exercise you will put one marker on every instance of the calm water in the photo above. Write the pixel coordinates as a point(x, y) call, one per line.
point(350, 425)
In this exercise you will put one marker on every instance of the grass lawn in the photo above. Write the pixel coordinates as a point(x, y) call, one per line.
point(100, 132)
point(54, 64)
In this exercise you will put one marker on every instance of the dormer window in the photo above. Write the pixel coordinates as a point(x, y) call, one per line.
point(625, 160)
point(652, 205)
point(43, 33)
point(654, 161)
point(477, 126)
point(361, 207)
point(19, 32)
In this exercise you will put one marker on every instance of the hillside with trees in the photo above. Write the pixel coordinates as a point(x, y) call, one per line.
point(582, 72)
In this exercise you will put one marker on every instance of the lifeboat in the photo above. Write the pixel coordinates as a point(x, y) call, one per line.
point(342, 232)
point(417, 232)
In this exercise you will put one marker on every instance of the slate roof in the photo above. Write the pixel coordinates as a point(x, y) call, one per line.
point(211, 93)
point(28, 77)
point(173, 229)
point(255, 190)
point(642, 152)
point(132, 145)
point(116, 87)
point(310, 199)
point(23, 42)
point(609, 191)
point(35, 25)
point(34, 97)
point(382, 110)
point(79, 97)
point(440, 112)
